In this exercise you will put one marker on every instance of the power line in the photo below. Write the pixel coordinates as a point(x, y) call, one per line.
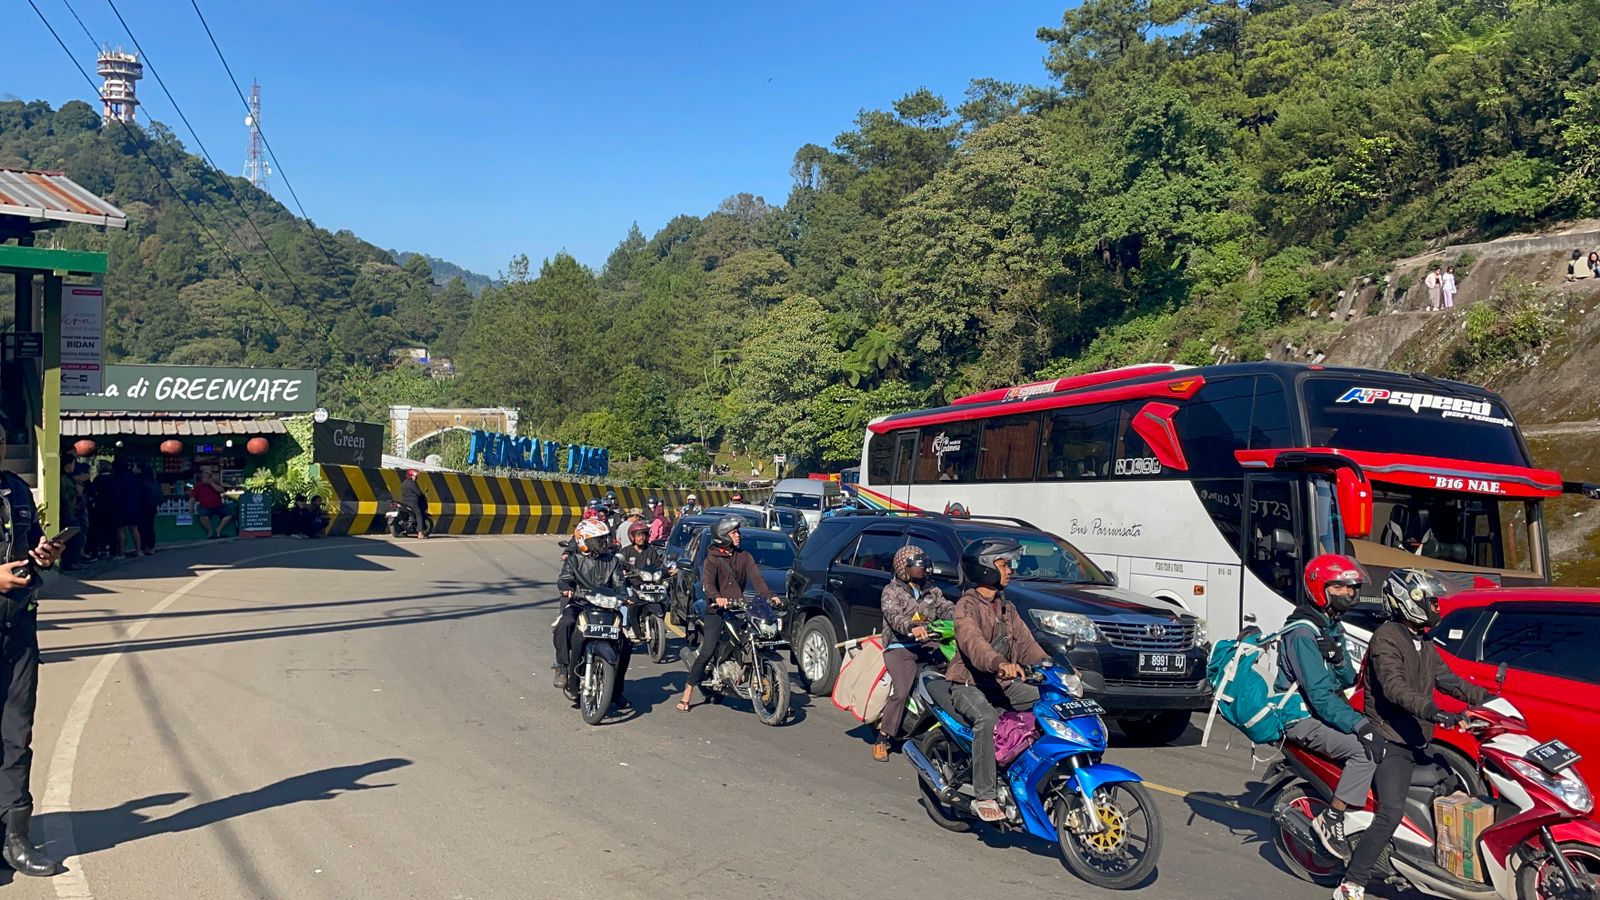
point(282, 173)
point(138, 145)
point(228, 189)
point(85, 28)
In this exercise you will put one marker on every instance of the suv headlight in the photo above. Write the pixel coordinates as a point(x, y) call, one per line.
point(1068, 625)
point(1200, 634)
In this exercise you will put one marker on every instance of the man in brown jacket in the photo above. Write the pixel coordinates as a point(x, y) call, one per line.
point(994, 645)
point(910, 604)
point(1403, 670)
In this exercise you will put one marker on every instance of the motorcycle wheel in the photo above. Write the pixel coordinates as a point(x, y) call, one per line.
point(947, 757)
point(1543, 880)
point(1308, 863)
point(655, 637)
point(594, 694)
point(769, 691)
point(1124, 853)
point(394, 527)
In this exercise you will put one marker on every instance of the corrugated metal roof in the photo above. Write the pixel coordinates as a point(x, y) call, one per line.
point(52, 195)
point(110, 424)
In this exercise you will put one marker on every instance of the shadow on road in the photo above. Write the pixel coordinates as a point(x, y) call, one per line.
point(102, 829)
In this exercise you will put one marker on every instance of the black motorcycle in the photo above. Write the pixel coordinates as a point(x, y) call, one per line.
point(400, 524)
point(649, 626)
point(747, 663)
point(603, 619)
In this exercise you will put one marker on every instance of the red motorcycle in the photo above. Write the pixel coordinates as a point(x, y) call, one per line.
point(1542, 845)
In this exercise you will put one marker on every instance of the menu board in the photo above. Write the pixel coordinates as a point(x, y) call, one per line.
point(255, 514)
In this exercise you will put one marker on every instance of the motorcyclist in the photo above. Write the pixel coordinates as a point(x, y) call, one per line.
point(1403, 670)
point(910, 601)
point(738, 497)
point(994, 644)
point(658, 521)
point(414, 501)
point(594, 567)
point(638, 554)
point(728, 571)
point(1314, 658)
point(691, 505)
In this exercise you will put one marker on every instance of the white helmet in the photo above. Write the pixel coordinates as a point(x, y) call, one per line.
point(591, 533)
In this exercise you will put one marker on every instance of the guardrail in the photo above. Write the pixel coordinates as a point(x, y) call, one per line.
point(483, 504)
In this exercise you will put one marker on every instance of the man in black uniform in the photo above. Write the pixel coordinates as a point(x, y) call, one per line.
point(27, 552)
point(413, 501)
point(594, 567)
point(638, 553)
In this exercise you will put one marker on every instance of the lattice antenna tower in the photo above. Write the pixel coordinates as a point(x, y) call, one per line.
point(256, 168)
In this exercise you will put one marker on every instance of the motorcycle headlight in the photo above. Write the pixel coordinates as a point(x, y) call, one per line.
point(604, 601)
point(1067, 625)
point(1074, 685)
point(1058, 728)
point(1569, 788)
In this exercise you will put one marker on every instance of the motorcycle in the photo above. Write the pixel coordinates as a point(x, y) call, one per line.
point(603, 619)
point(1542, 845)
point(1100, 816)
point(747, 663)
point(400, 524)
point(649, 626)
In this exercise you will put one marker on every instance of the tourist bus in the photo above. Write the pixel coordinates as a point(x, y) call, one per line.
point(1210, 488)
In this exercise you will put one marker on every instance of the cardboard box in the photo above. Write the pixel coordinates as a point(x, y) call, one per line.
point(1458, 820)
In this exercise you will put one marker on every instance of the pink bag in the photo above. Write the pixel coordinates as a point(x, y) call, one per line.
point(1013, 734)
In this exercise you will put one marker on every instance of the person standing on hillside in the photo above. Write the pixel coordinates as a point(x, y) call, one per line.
point(1593, 264)
point(1449, 287)
point(1435, 283)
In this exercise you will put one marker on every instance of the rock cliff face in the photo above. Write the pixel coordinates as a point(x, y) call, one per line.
point(1553, 390)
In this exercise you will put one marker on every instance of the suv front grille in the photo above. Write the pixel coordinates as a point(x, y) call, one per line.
point(1157, 681)
point(1169, 635)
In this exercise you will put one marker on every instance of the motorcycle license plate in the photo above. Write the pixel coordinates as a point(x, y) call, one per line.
point(1077, 709)
point(1163, 664)
point(1553, 757)
point(606, 632)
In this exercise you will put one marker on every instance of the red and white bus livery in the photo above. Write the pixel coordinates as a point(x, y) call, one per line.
point(1211, 487)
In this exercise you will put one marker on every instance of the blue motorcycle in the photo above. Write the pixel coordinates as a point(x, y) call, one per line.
point(1101, 817)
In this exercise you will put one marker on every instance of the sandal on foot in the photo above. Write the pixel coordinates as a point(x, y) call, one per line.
point(683, 706)
point(988, 810)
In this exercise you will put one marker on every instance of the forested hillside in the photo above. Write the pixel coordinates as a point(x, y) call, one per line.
point(1188, 177)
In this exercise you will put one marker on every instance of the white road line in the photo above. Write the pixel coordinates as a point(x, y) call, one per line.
point(73, 884)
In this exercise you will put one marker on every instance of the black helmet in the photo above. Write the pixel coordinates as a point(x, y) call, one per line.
point(1412, 595)
point(721, 533)
point(978, 560)
point(597, 503)
point(654, 501)
point(611, 498)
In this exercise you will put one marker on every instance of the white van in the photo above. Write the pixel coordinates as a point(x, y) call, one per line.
point(808, 495)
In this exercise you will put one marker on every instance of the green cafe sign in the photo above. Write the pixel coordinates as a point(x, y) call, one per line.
point(200, 389)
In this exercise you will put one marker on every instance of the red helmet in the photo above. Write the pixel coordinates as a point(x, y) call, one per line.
point(412, 473)
point(1332, 568)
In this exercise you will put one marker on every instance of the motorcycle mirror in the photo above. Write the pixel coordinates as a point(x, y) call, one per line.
point(565, 544)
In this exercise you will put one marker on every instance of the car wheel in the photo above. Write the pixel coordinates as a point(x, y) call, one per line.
point(816, 655)
point(1157, 729)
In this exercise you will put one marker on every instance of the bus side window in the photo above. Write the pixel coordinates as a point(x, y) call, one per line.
point(1078, 442)
point(1215, 424)
point(948, 453)
point(1010, 447)
point(1269, 423)
point(1274, 551)
point(880, 458)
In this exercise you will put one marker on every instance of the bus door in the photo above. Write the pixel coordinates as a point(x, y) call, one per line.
point(905, 464)
point(1271, 549)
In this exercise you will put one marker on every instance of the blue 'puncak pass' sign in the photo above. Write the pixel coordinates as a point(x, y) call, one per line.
point(505, 451)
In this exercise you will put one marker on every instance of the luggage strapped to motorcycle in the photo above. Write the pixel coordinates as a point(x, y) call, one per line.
point(1244, 654)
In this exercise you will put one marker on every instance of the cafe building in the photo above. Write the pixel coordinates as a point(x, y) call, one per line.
point(185, 424)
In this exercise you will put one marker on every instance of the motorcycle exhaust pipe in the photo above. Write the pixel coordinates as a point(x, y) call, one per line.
point(925, 768)
point(1297, 824)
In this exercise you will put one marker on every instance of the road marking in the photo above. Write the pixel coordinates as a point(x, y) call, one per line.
point(1208, 801)
point(73, 884)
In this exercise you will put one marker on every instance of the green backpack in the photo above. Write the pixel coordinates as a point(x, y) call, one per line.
point(1242, 672)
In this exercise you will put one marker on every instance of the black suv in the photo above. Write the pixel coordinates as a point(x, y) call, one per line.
point(1142, 659)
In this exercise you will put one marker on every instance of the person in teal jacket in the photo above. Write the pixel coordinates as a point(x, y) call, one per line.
point(1313, 657)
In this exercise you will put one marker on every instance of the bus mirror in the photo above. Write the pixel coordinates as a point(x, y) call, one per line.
point(1283, 540)
point(1355, 503)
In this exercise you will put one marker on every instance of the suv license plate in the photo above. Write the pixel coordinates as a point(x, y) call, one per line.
point(1553, 757)
point(1163, 664)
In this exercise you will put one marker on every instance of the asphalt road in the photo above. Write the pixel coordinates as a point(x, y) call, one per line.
point(367, 718)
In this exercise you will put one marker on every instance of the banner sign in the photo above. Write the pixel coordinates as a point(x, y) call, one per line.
point(505, 451)
point(340, 442)
point(82, 340)
point(199, 389)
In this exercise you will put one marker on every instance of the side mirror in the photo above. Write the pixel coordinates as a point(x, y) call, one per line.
point(564, 544)
point(1112, 577)
point(1355, 503)
point(1500, 678)
point(1283, 540)
point(939, 571)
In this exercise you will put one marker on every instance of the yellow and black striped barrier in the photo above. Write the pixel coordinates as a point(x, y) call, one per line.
point(483, 504)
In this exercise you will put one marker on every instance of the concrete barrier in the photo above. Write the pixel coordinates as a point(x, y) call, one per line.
point(482, 504)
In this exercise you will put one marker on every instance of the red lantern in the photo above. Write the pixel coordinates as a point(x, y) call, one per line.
point(84, 447)
point(171, 447)
point(257, 445)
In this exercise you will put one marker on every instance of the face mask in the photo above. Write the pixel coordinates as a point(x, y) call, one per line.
point(1339, 605)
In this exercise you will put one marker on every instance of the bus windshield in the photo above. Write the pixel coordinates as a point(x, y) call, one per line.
point(1399, 415)
point(1449, 532)
point(1047, 558)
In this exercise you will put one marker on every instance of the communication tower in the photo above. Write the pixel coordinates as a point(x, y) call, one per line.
point(256, 167)
point(121, 71)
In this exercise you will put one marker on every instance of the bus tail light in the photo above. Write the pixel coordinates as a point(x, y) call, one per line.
point(1355, 503)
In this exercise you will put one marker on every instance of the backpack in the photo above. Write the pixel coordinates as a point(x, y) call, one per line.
point(1013, 733)
point(1242, 672)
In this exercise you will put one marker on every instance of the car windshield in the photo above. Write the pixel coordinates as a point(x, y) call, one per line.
point(771, 551)
point(786, 517)
point(747, 516)
point(1047, 558)
point(799, 501)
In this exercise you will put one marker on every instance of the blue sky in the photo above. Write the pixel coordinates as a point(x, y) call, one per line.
point(478, 130)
